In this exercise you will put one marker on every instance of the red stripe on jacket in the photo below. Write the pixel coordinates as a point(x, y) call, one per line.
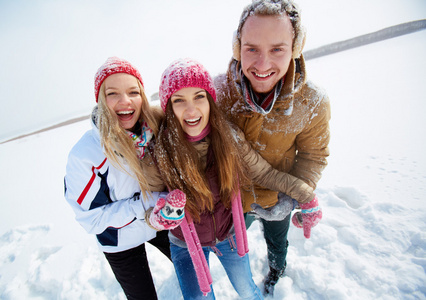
point(89, 184)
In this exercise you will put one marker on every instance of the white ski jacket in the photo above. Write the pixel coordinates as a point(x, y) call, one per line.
point(107, 201)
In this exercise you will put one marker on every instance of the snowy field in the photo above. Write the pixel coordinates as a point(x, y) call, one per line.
point(370, 244)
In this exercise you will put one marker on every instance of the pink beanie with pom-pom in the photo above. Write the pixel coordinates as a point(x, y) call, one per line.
point(112, 66)
point(183, 73)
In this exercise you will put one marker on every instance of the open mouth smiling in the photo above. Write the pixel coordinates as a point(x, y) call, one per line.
point(193, 122)
point(262, 75)
point(125, 113)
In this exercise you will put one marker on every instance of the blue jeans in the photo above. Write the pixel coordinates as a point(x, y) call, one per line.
point(237, 268)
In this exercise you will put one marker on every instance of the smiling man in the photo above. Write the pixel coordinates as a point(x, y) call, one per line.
point(284, 116)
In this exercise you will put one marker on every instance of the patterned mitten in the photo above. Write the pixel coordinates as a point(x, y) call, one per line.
point(310, 216)
point(168, 213)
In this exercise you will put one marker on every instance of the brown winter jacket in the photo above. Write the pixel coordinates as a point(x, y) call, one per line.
point(296, 143)
point(214, 226)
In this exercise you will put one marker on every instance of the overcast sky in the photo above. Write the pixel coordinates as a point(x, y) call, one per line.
point(50, 49)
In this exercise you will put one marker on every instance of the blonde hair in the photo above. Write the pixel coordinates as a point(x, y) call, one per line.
point(117, 144)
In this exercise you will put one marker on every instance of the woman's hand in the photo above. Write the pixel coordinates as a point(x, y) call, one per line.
point(168, 212)
point(310, 216)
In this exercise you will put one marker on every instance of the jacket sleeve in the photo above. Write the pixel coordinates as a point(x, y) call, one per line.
point(312, 145)
point(262, 173)
point(87, 191)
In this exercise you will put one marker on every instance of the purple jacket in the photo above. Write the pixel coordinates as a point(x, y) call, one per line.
point(214, 226)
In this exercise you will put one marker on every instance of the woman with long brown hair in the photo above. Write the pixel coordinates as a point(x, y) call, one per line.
point(199, 152)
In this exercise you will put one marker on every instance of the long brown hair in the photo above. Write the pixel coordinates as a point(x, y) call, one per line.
point(117, 143)
point(181, 167)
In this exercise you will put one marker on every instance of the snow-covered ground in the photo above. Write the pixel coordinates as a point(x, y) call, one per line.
point(370, 244)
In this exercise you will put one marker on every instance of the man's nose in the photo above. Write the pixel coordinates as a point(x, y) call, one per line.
point(263, 62)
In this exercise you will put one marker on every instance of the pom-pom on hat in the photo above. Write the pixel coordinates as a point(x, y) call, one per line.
point(112, 66)
point(183, 73)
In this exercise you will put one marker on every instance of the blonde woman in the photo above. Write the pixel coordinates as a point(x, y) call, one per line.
point(106, 184)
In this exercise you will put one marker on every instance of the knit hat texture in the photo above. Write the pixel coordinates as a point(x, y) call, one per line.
point(272, 8)
point(183, 73)
point(176, 198)
point(112, 66)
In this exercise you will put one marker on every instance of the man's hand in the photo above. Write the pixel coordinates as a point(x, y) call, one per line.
point(167, 213)
point(278, 212)
point(310, 216)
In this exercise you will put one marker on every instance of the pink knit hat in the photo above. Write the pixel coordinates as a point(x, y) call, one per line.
point(184, 73)
point(112, 66)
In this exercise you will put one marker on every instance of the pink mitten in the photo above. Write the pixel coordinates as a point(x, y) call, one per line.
point(309, 217)
point(168, 213)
